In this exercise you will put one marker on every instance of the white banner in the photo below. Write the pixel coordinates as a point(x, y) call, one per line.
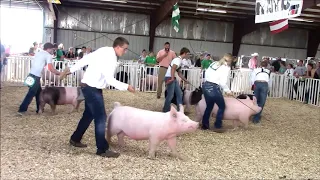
point(272, 10)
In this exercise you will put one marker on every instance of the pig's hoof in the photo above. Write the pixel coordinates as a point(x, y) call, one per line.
point(151, 157)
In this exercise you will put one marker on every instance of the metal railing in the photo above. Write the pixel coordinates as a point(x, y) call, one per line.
point(145, 78)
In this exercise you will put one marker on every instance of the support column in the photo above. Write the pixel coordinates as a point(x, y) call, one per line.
point(313, 42)
point(55, 25)
point(157, 17)
point(240, 29)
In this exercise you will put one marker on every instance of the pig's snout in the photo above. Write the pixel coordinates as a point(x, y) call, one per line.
point(194, 125)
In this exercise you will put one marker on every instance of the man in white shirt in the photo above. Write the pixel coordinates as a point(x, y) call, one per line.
point(102, 64)
point(171, 82)
point(260, 78)
point(41, 59)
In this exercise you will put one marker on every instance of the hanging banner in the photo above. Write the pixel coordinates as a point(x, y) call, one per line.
point(272, 10)
point(54, 1)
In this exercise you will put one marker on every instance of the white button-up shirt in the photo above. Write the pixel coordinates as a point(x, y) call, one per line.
point(102, 64)
point(219, 75)
point(186, 63)
point(289, 72)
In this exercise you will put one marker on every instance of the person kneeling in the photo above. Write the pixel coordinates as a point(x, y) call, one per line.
point(171, 82)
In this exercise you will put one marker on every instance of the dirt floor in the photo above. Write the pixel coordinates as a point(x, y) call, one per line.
point(285, 145)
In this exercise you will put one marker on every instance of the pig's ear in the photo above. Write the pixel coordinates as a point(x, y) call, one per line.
point(173, 112)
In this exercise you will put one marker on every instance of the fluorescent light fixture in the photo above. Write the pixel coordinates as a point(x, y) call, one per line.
point(299, 19)
point(119, 1)
point(212, 10)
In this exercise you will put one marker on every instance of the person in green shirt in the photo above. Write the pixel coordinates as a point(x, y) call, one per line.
point(205, 63)
point(150, 61)
point(283, 68)
point(59, 56)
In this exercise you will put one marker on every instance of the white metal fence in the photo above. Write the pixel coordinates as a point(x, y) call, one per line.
point(146, 79)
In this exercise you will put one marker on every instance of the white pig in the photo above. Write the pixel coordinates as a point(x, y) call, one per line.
point(236, 110)
point(139, 124)
point(149, 83)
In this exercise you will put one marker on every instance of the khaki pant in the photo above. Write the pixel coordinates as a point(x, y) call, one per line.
point(162, 73)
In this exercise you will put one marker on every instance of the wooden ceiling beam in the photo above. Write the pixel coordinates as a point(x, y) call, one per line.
point(107, 8)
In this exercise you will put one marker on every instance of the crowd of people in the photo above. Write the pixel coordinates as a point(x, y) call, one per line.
point(301, 72)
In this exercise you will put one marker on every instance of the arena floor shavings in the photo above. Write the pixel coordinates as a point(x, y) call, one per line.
point(285, 145)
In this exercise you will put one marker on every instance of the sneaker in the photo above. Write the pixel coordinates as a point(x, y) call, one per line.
point(109, 154)
point(19, 114)
point(77, 144)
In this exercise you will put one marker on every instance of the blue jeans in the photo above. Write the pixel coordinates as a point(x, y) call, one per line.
point(261, 93)
point(34, 91)
point(213, 95)
point(94, 109)
point(172, 88)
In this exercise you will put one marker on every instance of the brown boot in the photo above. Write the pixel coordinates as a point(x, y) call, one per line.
point(109, 154)
point(77, 144)
point(218, 130)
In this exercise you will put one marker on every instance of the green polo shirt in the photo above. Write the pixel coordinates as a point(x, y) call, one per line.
point(150, 60)
point(59, 54)
point(205, 63)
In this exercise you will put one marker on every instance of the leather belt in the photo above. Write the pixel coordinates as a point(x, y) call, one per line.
point(164, 67)
point(261, 81)
point(83, 85)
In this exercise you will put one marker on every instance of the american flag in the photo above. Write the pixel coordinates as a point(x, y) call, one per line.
point(278, 26)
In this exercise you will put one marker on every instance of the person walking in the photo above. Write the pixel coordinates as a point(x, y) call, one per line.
point(216, 78)
point(173, 87)
point(260, 78)
point(102, 64)
point(41, 59)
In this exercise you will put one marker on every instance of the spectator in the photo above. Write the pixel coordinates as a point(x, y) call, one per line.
point(70, 54)
point(83, 52)
point(309, 86)
point(33, 49)
point(2, 56)
point(143, 56)
point(282, 68)
point(164, 58)
point(60, 56)
point(299, 72)
point(276, 64)
point(288, 75)
point(317, 72)
point(151, 61)
point(205, 63)
point(253, 62)
point(198, 61)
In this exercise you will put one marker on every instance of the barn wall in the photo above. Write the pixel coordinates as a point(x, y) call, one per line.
point(198, 35)
point(96, 28)
point(197, 30)
point(96, 40)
